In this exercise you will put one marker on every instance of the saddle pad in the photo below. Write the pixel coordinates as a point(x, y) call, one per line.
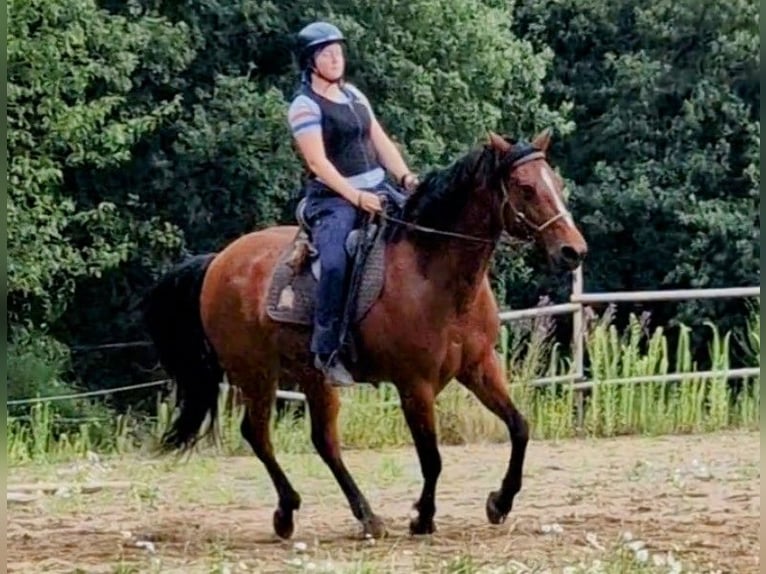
point(291, 296)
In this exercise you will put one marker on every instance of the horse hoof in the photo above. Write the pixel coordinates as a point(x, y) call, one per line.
point(420, 527)
point(494, 514)
point(374, 528)
point(283, 523)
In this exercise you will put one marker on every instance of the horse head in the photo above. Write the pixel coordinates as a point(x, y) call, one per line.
point(532, 200)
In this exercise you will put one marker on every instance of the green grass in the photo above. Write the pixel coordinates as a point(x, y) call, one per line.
point(371, 418)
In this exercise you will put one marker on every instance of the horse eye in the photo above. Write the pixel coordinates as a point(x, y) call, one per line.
point(528, 193)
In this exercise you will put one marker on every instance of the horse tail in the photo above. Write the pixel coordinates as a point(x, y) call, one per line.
point(171, 314)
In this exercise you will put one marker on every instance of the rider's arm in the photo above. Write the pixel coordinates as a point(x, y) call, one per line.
point(388, 153)
point(305, 122)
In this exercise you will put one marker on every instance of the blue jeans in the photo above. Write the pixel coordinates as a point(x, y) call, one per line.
point(332, 218)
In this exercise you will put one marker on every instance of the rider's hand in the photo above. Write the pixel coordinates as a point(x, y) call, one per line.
point(369, 202)
point(410, 181)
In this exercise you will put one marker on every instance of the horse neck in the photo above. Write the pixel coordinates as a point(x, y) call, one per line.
point(456, 266)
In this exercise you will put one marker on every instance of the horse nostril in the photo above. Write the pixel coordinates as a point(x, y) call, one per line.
point(570, 255)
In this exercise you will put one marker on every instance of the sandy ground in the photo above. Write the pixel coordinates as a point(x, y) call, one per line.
point(697, 497)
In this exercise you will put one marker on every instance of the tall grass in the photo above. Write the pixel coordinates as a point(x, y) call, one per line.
point(692, 404)
point(371, 418)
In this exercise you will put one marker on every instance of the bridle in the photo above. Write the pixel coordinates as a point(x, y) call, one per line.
point(520, 157)
point(520, 217)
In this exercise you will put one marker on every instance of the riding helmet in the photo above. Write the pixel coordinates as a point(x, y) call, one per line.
point(314, 36)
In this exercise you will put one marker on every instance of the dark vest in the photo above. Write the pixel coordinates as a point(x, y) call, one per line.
point(346, 133)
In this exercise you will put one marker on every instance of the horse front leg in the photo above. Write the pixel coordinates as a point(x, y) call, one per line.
point(418, 405)
point(486, 381)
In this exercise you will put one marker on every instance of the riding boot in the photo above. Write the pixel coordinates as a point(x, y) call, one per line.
point(334, 370)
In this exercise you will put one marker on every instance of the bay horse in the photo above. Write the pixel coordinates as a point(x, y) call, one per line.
point(436, 320)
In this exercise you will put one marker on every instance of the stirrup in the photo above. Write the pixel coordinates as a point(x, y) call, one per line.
point(335, 371)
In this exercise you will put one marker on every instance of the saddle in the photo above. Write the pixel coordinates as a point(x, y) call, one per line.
point(303, 249)
point(292, 291)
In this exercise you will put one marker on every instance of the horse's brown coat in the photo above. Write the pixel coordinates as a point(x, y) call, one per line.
point(436, 320)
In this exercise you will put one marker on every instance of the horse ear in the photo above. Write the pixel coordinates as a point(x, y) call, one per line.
point(542, 140)
point(498, 142)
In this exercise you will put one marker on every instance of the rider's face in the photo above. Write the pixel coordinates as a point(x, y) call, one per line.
point(330, 61)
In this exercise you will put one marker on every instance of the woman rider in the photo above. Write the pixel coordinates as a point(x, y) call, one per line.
point(347, 153)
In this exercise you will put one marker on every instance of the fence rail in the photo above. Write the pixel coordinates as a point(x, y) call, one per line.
point(665, 295)
point(578, 300)
point(548, 310)
point(287, 395)
point(576, 306)
point(86, 394)
point(671, 377)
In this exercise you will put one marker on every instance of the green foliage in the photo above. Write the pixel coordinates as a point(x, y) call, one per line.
point(693, 404)
point(750, 342)
point(236, 167)
point(70, 69)
point(233, 38)
point(38, 366)
point(664, 159)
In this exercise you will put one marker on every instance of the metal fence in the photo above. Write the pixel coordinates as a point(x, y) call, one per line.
point(579, 299)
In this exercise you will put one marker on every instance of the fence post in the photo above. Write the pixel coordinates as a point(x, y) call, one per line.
point(578, 343)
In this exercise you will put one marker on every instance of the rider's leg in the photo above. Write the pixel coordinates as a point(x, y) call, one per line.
point(334, 220)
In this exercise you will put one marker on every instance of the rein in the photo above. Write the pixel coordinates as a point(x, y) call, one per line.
point(434, 231)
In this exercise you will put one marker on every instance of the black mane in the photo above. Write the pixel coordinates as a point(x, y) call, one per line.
point(443, 193)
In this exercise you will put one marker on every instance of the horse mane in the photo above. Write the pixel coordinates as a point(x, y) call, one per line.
point(443, 193)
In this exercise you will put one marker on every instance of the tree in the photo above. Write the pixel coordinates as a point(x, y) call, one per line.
point(663, 162)
point(70, 66)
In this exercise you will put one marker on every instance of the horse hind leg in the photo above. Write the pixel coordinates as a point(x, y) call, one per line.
point(487, 383)
point(255, 430)
point(324, 405)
